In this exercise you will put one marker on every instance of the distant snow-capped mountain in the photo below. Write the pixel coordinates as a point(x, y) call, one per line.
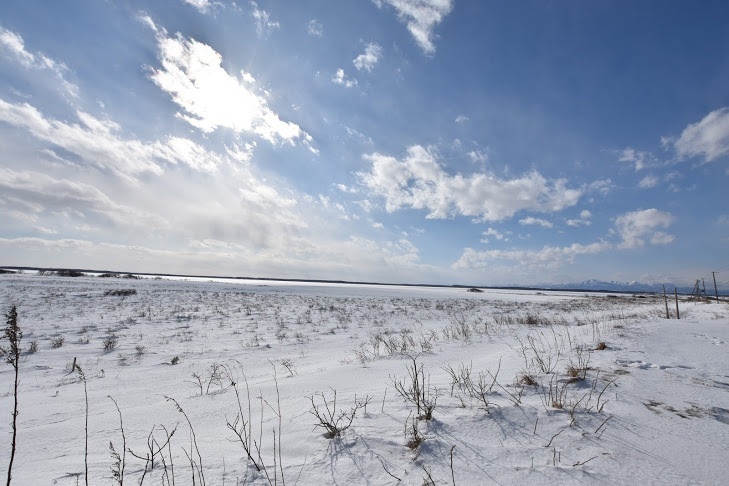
point(614, 286)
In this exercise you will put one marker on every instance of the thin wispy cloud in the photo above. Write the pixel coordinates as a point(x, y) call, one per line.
point(369, 58)
point(536, 222)
point(264, 24)
point(12, 44)
point(315, 28)
point(421, 18)
point(98, 143)
point(41, 195)
point(343, 80)
point(201, 5)
point(649, 181)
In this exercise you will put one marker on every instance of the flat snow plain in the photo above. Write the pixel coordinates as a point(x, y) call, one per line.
point(520, 393)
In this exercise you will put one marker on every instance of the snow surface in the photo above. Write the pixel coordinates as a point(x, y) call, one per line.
point(653, 407)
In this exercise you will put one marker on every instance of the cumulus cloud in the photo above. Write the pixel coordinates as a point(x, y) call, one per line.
point(461, 119)
point(369, 58)
point(12, 44)
point(495, 234)
point(707, 138)
point(343, 80)
point(264, 24)
point(583, 220)
point(635, 226)
point(419, 182)
point(549, 257)
point(421, 17)
point(210, 98)
point(96, 142)
point(535, 221)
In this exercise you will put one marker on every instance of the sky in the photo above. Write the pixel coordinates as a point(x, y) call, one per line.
point(399, 141)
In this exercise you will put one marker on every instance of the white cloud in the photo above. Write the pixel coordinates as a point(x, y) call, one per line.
point(583, 220)
point(661, 238)
point(421, 17)
point(461, 119)
point(492, 233)
point(649, 181)
point(369, 58)
point(634, 227)
point(37, 194)
point(601, 187)
point(201, 5)
point(374, 261)
point(419, 182)
point(342, 79)
point(536, 221)
point(356, 134)
point(377, 225)
point(264, 24)
point(192, 74)
point(478, 156)
point(639, 159)
point(346, 189)
point(12, 43)
point(45, 231)
point(315, 28)
point(549, 257)
point(708, 138)
point(365, 204)
point(96, 143)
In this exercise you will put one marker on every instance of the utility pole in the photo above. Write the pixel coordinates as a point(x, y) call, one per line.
point(716, 292)
point(675, 294)
point(703, 284)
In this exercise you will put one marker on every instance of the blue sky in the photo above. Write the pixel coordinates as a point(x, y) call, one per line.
point(418, 141)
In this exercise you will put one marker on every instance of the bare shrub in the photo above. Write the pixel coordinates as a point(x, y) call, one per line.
point(288, 363)
point(413, 437)
point(416, 390)
point(110, 343)
point(57, 342)
point(33, 347)
point(335, 423)
point(554, 393)
point(121, 292)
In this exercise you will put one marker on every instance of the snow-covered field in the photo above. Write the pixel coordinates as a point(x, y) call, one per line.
point(517, 390)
